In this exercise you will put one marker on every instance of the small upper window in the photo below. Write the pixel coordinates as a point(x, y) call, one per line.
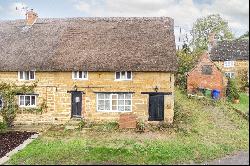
point(228, 63)
point(26, 75)
point(124, 75)
point(207, 69)
point(80, 75)
point(27, 100)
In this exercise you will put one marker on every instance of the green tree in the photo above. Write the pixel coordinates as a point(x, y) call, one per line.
point(244, 36)
point(186, 61)
point(206, 25)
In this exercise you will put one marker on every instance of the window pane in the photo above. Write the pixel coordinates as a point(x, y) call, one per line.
point(32, 75)
point(26, 75)
point(85, 74)
point(21, 75)
point(114, 102)
point(101, 102)
point(114, 96)
point(123, 75)
point(114, 108)
point(120, 96)
point(27, 100)
point(75, 74)
point(127, 108)
point(127, 102)
point(107, 105)
point(129, 75)
point(21, 102)
point(101, 107)
point(100, 96)
point(120, 102)
point(121, 108)
point(117, 75)
point(33, 100)
point(80, 74)
point(127, 96)
point(107, 96)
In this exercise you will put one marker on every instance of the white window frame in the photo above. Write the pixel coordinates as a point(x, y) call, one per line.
point(110, 101)
point(230, 74)
point(228, 63)
point(126, 76)
point(29, 106)
point(23, 79)
point(73, 75)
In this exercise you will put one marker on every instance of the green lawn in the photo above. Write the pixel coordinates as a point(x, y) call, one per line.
point(244, 103)
point(202, 131)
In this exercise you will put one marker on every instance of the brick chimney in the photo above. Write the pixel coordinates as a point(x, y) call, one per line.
point(211, 41)
point(31, 17)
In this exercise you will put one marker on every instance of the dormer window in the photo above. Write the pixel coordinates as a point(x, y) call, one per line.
point(26, 75)
point(79, 75)
point(124, 75)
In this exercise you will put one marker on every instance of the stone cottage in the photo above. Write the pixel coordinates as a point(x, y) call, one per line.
point(206, 75)
point(91, 68)
point(232, 57)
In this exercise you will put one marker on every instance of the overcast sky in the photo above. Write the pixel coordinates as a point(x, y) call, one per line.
point(184, 12)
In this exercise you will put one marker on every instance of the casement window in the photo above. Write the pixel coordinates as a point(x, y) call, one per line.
point(124, 75)
point(27, 100)
point(26, 75)
point(230, 74)
point(1, 103)
point(111, 102)
point(80, 75)
point(228, 63)
point(207, 69)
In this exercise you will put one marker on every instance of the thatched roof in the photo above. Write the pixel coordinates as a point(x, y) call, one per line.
point(91, 44)
point(230, 50)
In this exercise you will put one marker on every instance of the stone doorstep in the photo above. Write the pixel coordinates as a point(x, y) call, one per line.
point(17, 149)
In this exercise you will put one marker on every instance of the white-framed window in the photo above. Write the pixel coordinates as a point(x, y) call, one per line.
point(230, 74)
point(124, 75)
point(79, 75)
point(111, 102)
point(27, 100)
point(228, 63)
point(26, 75)
point(1, 103)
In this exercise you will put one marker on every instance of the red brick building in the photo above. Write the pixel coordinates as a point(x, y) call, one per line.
point(206, 75)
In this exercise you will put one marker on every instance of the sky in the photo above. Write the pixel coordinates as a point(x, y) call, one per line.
point(184, 12)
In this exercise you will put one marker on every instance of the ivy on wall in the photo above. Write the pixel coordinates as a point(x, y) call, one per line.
point(8, 93)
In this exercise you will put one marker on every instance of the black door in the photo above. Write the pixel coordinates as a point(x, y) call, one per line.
point(76, 104)
point(156, 107)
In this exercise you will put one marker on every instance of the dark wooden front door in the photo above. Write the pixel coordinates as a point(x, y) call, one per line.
point(156, 107)
point(76, 104)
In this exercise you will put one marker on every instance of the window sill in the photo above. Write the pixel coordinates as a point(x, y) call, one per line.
point(75, 79)
point(123, 80)
point(113, 111)
point(27, 106)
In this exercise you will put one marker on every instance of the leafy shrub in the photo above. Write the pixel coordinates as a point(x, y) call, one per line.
point(3, 127)
point(140, 126)
point(108, 126)
point(232, 91)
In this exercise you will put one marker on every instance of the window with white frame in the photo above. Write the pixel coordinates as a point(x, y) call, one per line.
point(80, 75)
point(109, 102)
point(27, 100)
point(124, 75)
point(228, 63)
point(26, 75)
point(229, 74)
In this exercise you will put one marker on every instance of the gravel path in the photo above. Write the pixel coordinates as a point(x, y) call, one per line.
point(240, 158)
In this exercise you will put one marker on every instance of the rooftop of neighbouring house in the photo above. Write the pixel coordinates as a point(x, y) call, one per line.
point(231, 50)
point(90, 44)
